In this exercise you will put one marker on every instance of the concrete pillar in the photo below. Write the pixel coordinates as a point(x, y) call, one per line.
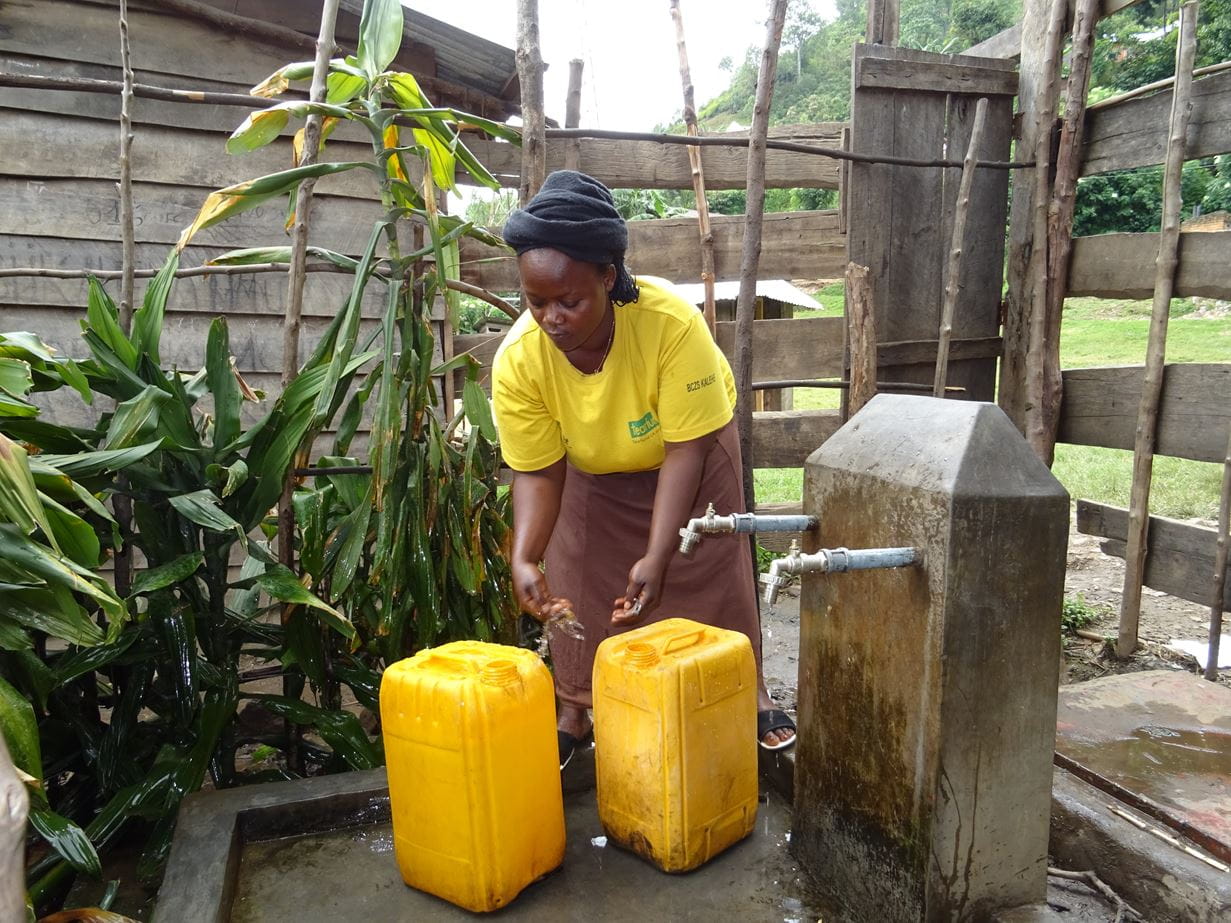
point(927, 695)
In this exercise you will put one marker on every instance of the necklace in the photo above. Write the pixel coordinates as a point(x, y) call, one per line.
point(606, 351)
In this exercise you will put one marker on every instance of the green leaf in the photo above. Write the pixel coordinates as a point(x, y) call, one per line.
point(53, 611)
point(66, 838)
point(73, 535)
point(354, 530)
point(102, 318)
point(18, 551)
point(15, 408)
point(257, 255)
point(78, 663)
point(283, 585)
point(230, 477)
point(279, 81)
point(380, 35)
point(341, 88)
point(134, 418)
point(19, 498)
point(258, 129)
point(157, 578)
point(147, 321)
point(14, 637)
point(224, 386)
point(203, 508)
point(340, 729)
point(88, 464)
point(20, 729)
point(233, 200)
point(15, 379)
point(478, 409)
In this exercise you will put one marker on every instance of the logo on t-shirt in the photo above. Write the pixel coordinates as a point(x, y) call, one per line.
point(639, 429)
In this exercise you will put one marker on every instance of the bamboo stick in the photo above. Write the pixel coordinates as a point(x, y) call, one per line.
point(1045, 116)
point(698, 172)
point(1156, 85)
point(1220, 567)
point(530, 73)
point(128, 262)
point(1060, 221)
point(861, 333)
point(1168, 838)
point(953, 271)
point(777, 144)
point(572, 113)
point(1156, 347)
point(141, 90)
point(745, 306)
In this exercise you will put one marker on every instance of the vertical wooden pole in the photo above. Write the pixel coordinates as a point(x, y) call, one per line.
point(884, 17)
point(1045, 116)
point(1060, 222)
point(290, 330)
point(1156, 346)
point(861, 335)
point(14, 808)
point(745, 306)
point(1220, 567)
point(698, 172)
point(127, 231)
point(572, 114)
point(530, 75)
point(1037, 63)
point(121, 501)
point(954, 269)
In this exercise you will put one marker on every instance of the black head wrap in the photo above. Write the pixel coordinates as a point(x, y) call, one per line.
point(575, 214)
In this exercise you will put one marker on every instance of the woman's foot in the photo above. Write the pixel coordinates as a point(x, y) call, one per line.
point(779, 730)
point(573, 728)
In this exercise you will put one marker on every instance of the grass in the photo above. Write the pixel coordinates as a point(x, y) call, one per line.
point(1096, 332)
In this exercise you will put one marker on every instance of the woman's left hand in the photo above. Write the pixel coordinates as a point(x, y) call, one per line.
point(645, 581)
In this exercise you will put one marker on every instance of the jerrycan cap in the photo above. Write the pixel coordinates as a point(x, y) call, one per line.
point(499, 673)
point(640, 654)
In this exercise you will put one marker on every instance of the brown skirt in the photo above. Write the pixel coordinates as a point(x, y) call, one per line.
point(603, 529)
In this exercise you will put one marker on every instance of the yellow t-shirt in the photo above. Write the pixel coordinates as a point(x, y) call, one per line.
point(665, 380)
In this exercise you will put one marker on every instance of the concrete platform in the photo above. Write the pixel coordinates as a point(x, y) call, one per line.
point(1160, 740)
point(322, 850)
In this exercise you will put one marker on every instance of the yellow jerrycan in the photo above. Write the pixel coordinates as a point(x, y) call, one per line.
point(474, 776)
point(675, 724)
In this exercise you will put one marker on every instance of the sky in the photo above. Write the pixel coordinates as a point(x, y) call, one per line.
point(631, 80)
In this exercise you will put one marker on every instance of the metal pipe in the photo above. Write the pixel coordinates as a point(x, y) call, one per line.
point(831, 561)
point(745, 523)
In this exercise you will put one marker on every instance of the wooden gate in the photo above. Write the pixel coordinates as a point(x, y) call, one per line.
point(921, 105)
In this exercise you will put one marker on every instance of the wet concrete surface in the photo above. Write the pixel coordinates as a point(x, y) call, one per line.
point(1163, 735)
point(350, 874)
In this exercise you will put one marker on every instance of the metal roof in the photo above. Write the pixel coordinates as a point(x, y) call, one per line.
point(775, 289)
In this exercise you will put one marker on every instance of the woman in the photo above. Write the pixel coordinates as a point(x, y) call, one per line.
point(616, 413)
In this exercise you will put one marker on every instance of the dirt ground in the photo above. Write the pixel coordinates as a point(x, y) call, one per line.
point(1098, 579)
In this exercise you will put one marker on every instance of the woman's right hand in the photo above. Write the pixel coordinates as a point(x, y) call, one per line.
point(530, 586)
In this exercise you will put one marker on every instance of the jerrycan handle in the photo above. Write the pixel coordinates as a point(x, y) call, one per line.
point(679, 642)
point(461, 664)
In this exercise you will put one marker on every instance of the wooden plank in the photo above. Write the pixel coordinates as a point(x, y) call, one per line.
point(653, 165)
point(1179, 557)
point(161, 41)
point(1100, 408)
point(256, 340)
point(1122, 265)
point(1134, 133)
point(248, 293)
point(934, 76)
point(914, 352)
point(88, 209)
point(782, 348)
point(43, 146)
point(1006, 44)
point(785, 438)
point(795, 245)
point(104, 106)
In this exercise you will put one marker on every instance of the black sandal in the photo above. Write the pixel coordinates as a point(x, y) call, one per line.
point(568, 744)
point(774, 719)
